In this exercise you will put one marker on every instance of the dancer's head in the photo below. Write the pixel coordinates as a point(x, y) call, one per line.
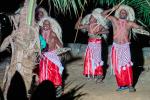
point(123, 14)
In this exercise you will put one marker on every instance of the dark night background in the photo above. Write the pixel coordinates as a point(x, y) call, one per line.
point(66, 21)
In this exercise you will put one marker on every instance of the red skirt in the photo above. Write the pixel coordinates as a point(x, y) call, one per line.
point(93, 66)
point(49, 71)
point(124, 76)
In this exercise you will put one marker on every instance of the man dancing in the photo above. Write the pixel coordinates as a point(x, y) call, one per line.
point(96, 26)
point(122, 23)
point(50, 67)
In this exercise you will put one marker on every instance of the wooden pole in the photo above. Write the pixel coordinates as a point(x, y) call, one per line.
point(78, 25)
point(114, 9)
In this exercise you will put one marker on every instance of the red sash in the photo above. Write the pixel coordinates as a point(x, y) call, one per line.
point(49, 71)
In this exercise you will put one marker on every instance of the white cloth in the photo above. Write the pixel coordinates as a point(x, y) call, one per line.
point(52, 56)
point(123, 55)
point(96, 13)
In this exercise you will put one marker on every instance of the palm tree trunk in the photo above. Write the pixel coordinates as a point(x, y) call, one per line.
point(24, 47)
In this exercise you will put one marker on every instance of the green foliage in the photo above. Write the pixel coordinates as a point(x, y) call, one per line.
point(141, 7)
point(68, 5)
point(30, 12)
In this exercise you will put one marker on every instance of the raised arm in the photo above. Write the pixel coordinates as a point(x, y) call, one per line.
point(103, 30)
point(134, 25)
point(107, 13)
point(79, 25)
point(57, 41)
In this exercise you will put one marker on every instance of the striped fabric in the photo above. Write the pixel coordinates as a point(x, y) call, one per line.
point(52, 56)
point(50, 68)
point(96, 52)
point(93, 63)
point(123, 54)
point(122, 65)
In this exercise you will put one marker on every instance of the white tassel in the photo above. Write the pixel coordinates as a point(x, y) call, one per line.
point(131, 63)
point(124, 68)
point(101, 63)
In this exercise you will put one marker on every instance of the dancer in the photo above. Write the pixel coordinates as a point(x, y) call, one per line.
point(50, 67)
point(96, 26)
point(122, 23)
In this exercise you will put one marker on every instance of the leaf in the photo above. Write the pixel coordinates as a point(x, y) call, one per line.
point(141, 7)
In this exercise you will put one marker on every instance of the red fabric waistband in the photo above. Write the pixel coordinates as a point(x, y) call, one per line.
point(95, 40)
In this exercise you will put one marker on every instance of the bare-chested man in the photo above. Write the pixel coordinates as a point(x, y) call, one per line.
point(50, 67)
point(120, 54)
point(93, 62)
point(50, 36)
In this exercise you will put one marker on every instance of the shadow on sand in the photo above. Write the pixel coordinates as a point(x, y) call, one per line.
point(44, 91)
point(137, 59)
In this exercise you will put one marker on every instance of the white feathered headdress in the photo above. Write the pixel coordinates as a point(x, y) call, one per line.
point(128, 9)
point(130, 17)
point(55, 26)
point(96, 13)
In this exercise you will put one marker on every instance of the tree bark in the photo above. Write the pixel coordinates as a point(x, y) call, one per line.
point(25, 45)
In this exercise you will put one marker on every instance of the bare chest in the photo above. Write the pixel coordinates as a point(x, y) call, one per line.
point(93, 28)
point(121, 32)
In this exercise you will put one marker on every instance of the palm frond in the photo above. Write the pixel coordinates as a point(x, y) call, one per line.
point(64, 6)
point(30, 12)
point(141, 7)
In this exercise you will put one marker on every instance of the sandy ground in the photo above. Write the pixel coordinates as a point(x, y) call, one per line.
point(106, 90)
point(89, 90)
